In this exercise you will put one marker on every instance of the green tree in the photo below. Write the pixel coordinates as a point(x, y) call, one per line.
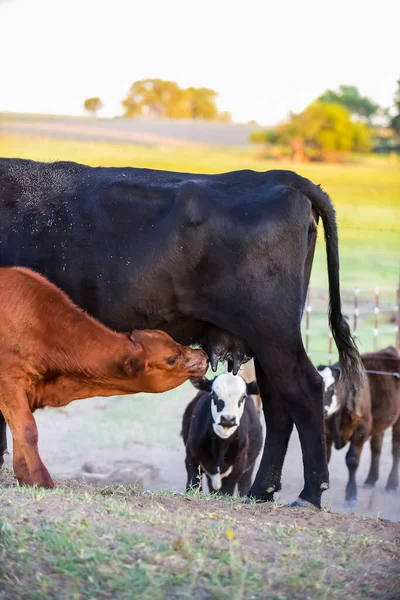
point(153, 98)
point(93, 105)
point(395, 120)
point(350, 97)
point(165, 99)
point(202, 103)
point(322, 129)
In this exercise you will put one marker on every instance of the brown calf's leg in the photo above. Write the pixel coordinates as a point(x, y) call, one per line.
point(352, 462)
point(393, 481)
point(376, 448)
point(20, 467)
point(14, 405)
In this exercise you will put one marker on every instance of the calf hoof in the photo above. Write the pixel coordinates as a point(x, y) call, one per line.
point(391, 491)
point(301, 503)
point(369, 485)
point(351, 502)
point(254, 499)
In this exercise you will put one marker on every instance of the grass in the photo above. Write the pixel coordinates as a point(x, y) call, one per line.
point(366, 194)
point(82, 542)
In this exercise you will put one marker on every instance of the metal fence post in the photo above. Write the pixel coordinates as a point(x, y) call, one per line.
point(376, 318)
point(397, 319)
point(330, 348)
point(356, 310)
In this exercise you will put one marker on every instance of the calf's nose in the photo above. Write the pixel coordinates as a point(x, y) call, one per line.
point(228, 420)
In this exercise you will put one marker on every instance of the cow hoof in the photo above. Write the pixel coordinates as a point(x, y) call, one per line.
point(369, 486)
point(391, 491)
point(301, 503)
point(351, 502)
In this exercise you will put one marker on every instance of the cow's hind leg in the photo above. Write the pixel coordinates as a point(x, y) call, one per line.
point(393, 481)
point(296, 389)
point(376, 449)
point(3, 438)
point(23, 428)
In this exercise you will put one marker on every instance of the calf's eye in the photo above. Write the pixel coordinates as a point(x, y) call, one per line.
point(172, 360)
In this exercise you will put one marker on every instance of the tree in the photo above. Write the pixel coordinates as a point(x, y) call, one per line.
point(395, 120)
point(153, 98)
point(93, 105)
point(350, 97)
point(165, 99)
point(324, 129)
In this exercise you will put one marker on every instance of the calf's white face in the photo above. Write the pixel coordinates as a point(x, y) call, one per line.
point(228, 395)
point(331, 404)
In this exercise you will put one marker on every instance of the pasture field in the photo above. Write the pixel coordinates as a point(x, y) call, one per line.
point(81, 542)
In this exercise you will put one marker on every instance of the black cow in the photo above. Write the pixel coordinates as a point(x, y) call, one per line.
point(223, 261)
point(222, 434)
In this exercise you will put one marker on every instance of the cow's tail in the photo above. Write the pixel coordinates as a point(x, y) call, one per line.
point(349, 358)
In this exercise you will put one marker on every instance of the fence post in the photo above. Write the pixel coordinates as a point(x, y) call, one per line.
point(330, 348)
point(356, 310)
point(397, 318)
point(376, 313)
point(308, 311)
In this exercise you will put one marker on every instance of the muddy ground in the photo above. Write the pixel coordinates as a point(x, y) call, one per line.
point(136, 438)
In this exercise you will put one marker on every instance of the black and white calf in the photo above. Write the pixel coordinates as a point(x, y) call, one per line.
point(222, 434)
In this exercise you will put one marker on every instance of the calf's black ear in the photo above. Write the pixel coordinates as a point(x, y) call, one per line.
point(203, 384)
point(252, 388)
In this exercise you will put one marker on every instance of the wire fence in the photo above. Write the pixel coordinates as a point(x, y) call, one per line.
point(373, 316)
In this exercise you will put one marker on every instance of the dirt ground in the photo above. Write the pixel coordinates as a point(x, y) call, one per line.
point(136, 438)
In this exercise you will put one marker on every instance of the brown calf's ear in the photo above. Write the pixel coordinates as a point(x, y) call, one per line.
point(133, 367)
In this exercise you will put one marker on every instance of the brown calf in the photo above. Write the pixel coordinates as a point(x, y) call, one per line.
point(52, 352)
point(367, 416)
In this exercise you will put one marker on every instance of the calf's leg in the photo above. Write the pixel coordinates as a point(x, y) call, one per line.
point(376, 448)
point(3, 438)
point(352, 462)
point(229, 484)
point(15, 408)
point(194, 474)
point(244, 483)
point(393, 481)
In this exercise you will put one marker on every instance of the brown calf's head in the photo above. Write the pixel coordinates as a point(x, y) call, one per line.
point(160, 364)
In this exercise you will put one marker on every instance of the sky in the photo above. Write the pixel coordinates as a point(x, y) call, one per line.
point(264, 58)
